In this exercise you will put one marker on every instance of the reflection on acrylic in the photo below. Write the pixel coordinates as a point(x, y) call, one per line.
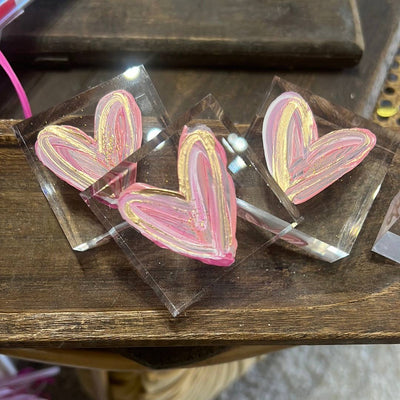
point(199, 220)
point(302, 163)
point(79, 159)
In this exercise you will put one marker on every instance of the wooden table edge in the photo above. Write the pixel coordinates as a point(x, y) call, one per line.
point(69, 329)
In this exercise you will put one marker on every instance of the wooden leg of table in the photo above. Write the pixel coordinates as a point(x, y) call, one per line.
point(201, 383)
point(194, 382)
point(95, 382)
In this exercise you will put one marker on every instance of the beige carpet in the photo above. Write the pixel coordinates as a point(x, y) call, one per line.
point(365, 372)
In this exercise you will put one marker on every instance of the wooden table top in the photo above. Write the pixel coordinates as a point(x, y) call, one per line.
point(53, 297)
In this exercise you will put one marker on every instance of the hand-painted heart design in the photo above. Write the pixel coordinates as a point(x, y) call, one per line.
point(302, 163)
point(79, 159)
point(198, 221)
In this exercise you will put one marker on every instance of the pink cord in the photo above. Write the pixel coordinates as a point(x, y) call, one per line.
point(17, 85)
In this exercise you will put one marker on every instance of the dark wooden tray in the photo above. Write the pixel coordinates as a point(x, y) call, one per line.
point(230, 33)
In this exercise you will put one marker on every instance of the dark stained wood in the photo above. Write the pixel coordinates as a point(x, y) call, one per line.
point(353, 88)
point(239, 91)
point(54, 297)
point(228, 33)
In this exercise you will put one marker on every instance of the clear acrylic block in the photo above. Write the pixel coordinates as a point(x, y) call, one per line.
point(333, 218)
point(81, 228)
point(179, 280)
point(387, 242)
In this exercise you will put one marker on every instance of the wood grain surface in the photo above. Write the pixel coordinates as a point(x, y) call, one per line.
point(181, 32)
point(57, 298)
point(52, 296)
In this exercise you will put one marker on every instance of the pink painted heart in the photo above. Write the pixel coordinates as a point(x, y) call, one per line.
point(199, 220)
point(79, 159)
point(302, 163)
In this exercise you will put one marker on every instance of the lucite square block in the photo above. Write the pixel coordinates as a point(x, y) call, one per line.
point(81, 228)
point(332, 218)
point(387, 242)
point(177, 279)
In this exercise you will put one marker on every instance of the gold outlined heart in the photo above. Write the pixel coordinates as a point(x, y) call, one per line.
point(302, 163)
point(199, 220)
point(79, 159)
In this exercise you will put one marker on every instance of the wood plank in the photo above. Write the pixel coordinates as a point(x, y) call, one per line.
point(60, 306)
point(245, 32)
point(53, 297)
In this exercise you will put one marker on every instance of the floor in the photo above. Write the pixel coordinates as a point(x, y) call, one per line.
point(367, 372)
